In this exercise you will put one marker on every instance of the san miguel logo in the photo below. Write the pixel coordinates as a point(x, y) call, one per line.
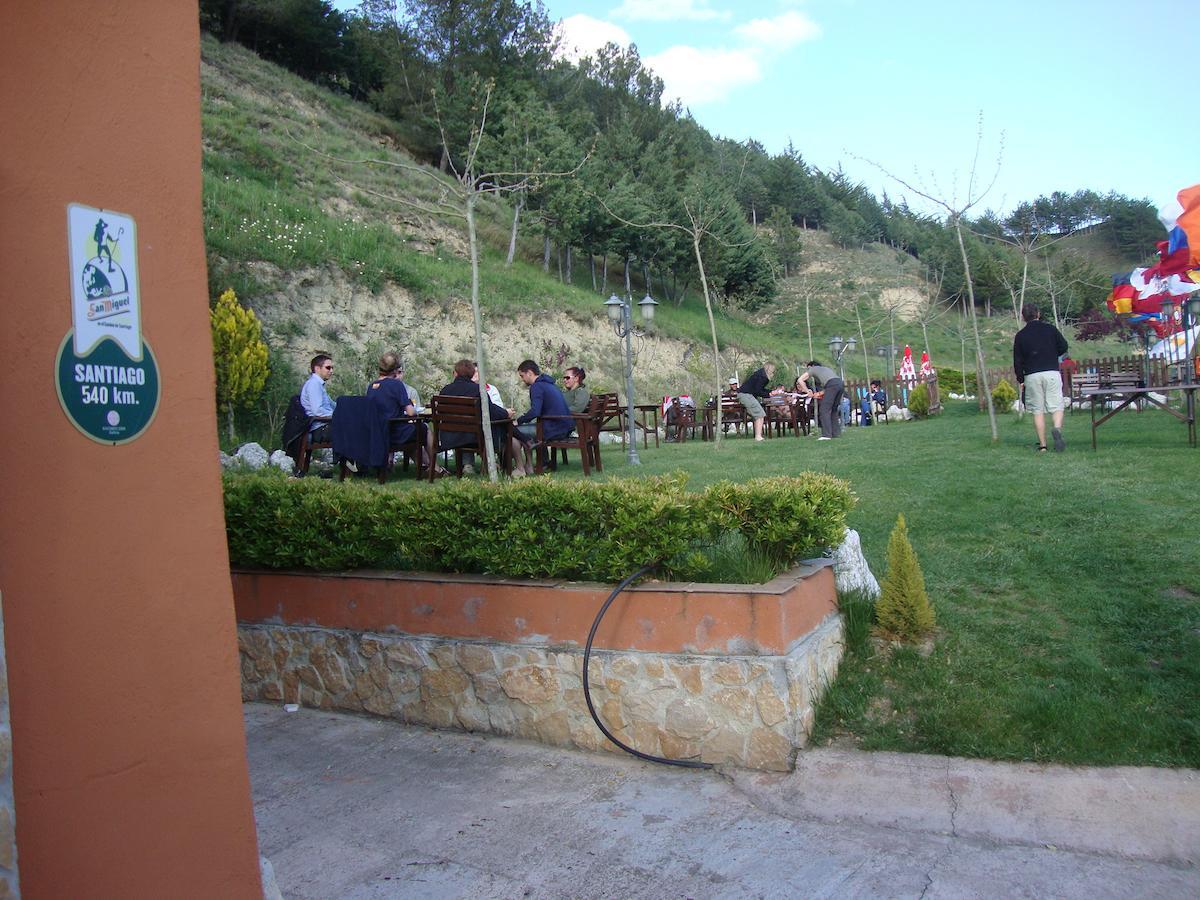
point(105, 373)
point(103, 247)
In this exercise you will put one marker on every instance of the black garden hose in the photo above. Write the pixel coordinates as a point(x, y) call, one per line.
point(587, 694)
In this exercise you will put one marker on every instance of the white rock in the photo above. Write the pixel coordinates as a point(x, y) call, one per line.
point(227, 461)
point(850, 569)
point(281, 460)
point(252, 456)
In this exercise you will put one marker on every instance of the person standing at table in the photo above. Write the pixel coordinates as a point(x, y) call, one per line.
point(753, 392)
point(823, 382)
point(1036, 351)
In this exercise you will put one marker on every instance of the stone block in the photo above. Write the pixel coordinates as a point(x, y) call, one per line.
point(369, 646)
point(271, 691)
point(309, 676)
point(675, 747)
point(654, 668)
point(406, 654)
point(530, 684)
point(444, 655)
point(611, 714)
point(623, 667)
point(771, 708)
point(291, 687)
point(689, 676)
point(769, 750)
point(472, 717)
point(330, 667)
point(725, 746)
point(476, 658)
point(502, 719)
point(403, 682)
point(738, 701)
point(487, 688)
point(438, 683)
point(380, 703)
point(553, 729)
point(729, 672)
point(688, 718)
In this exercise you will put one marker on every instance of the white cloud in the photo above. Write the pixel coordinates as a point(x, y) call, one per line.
point(582, 36)
point(667, 11)
point(697, 76)
point(780, 33)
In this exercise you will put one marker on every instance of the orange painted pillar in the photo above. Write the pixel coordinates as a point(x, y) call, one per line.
point(129, 757)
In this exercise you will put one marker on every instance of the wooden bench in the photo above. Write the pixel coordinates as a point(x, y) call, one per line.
point(1085, 385)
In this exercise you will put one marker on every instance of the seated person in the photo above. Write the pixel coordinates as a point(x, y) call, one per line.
point(878, 397)
point(466, 384)
point(413, 398)
point(390, 399)
point(315, 398)
point(675, 413)
point(545, 399)
point(576, 395)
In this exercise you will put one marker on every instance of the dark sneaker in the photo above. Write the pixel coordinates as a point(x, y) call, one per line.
point(1059, 444)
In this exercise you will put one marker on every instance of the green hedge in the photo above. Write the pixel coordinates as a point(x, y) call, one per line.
point(533, 528)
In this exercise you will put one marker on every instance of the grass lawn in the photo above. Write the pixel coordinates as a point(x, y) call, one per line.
point(1067, 586)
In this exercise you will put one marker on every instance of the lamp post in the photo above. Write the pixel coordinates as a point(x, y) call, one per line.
point(620, 316)
point(838, 348)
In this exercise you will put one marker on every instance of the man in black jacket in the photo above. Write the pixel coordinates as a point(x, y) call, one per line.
point(1036, 350)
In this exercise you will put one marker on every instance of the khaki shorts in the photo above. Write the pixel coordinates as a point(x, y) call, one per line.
point(753, 407)
point(1043, 392)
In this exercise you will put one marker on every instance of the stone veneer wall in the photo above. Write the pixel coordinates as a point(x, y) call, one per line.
point(752, 711)
point(10, 884)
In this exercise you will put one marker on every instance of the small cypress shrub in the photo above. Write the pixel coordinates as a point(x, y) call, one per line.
point(918, 401)
point(903, 610)
point(1004, 395)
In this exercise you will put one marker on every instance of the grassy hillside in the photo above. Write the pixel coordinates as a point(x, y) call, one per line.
point(339, 253)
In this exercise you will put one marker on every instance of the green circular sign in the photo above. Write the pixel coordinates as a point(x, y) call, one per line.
point(106, 395)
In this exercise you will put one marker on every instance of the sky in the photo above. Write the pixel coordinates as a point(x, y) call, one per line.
point(1067, 94)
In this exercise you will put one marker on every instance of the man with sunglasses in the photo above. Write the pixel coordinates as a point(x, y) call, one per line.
point(315, 398)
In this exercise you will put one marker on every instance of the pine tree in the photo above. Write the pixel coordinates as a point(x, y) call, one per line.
point(903, 610)
point(239, 354)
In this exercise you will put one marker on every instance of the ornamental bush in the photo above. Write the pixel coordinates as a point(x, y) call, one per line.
point(1004, 395)
point(533, 528)
point(918, 401)
point(903, 610)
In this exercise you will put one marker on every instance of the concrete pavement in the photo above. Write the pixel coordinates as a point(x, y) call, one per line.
point(366, 808)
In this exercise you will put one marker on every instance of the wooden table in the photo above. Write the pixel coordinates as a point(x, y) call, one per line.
point(1136, 394)
point(643, 412)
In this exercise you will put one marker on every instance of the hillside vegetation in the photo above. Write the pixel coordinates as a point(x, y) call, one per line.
point(332, 253)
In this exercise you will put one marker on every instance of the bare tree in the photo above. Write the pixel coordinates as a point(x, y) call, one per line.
point(459, 197)
point(955, 211)
point(702, 212)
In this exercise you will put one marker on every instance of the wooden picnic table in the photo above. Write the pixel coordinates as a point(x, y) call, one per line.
point(1104, 395)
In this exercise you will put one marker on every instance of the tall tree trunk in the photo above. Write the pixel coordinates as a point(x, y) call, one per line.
point(646, 276)
point(485, 409)
point(592, 269)
point(628, 292)
point(808, 322)
point(604, 273)
point(980, 362)
point(570, 279)
point(512, 238)
point(862, 342)
point(546, 252)
point(712, 327)
point(229, 424)
point(558, 259)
